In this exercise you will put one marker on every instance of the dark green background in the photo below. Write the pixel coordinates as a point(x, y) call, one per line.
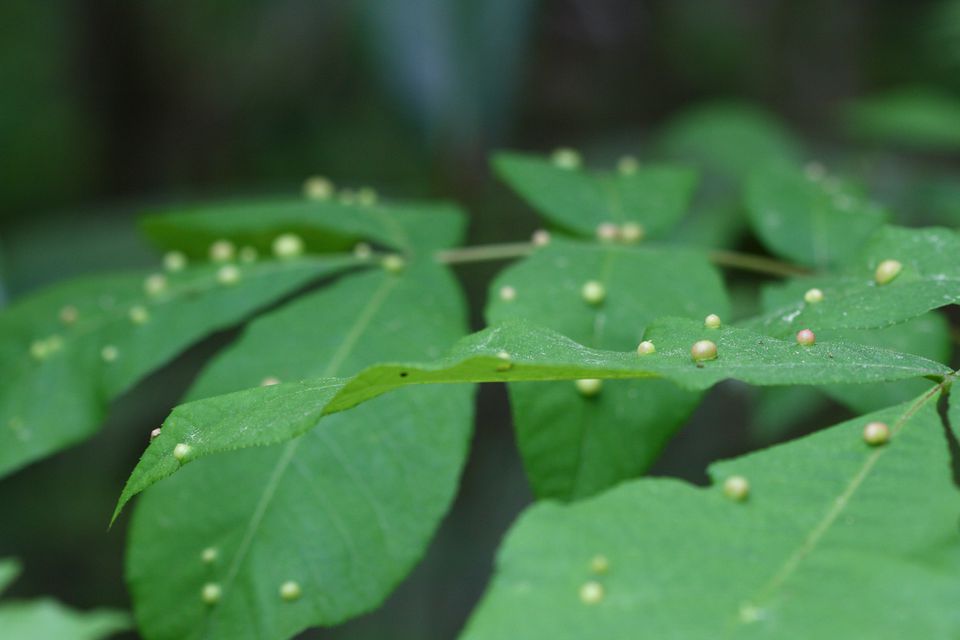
point(112, 108)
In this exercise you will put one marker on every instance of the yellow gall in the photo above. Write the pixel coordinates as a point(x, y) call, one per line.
point(703, 350)
point(290, 591)
point(211, 593)
point(138, 314)
point(39, 350)
point(505, 363)
point(712, 321)
point(627, 165)
point(591, 592)
point(887, 271)
point(645, 348)
point(394, 263)
point(222, 251)
point(508, 293)
point(589, 387)
point(806, 338)
point(813, 296)
point(599, 564)
point(155, 284)
point(593, 292)
point(317, 188)
point(287, 245)
point(174, 261)
point(69, 314)
point(181, 451)
point(155, 434)
point(632, 232)
point(109, 353)
point(269, 381)
point(736, 488)
point(209, 555)
point(228, 274)
point(876, 434)
point(607, 232)
point(566, 158)
point(366, 196)
point(540, 238)
point(362, 250)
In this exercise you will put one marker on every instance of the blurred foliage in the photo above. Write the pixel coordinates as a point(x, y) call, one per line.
point(109, 108)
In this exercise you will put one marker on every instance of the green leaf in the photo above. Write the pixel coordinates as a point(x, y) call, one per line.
point(930, 279)
point(9, 570)
point(46, 618)
point(574, 446)
point(265, 416)
point(729, 139)
point(778, 411)
point(919, 118)
point(70, 349)
point(927, 336)
point(324, 225)
point(816, 222)
point(836, 540)
point(654, 196)
point(727, 142)
point(345, 510)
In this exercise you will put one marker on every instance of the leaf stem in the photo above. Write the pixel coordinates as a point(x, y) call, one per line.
point(721, 258)
point(757, 264)
point(485, 252)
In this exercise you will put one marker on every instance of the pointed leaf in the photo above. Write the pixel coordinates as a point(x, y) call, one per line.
point(655, 197)
point(67, 351)
point(264, 416)
point(345, 510)
point(47, 618)
point(836, 539)
point(930, 279)
point(572, 445)
point(323, 224)
point(816, 222)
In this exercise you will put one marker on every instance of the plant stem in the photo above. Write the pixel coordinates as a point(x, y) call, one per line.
point(721, 258)
point(757, 264)
point(485, 252)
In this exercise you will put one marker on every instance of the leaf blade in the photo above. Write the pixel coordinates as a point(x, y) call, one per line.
point(828, 528)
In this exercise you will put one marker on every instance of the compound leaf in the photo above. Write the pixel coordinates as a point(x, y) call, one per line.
point(836, 539)
point(344, 510)
point(815, 222)
point(324, 225)
point(66, 351)
point(655, 196)
point(930, 279)
point(574, 446)
point(511, 352)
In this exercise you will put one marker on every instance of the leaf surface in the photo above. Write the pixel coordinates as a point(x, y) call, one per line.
point(852, 299)
point(344, 510)
point(324, 225)
point(815, 222)
point(654, 196)
point(574, 446)
point(836, 540)
point(46, 618)
point(264, 416)
point(114, 335)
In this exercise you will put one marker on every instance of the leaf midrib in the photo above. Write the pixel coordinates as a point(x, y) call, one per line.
point(816, 534)
point(363, 321)
point(200, 285)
